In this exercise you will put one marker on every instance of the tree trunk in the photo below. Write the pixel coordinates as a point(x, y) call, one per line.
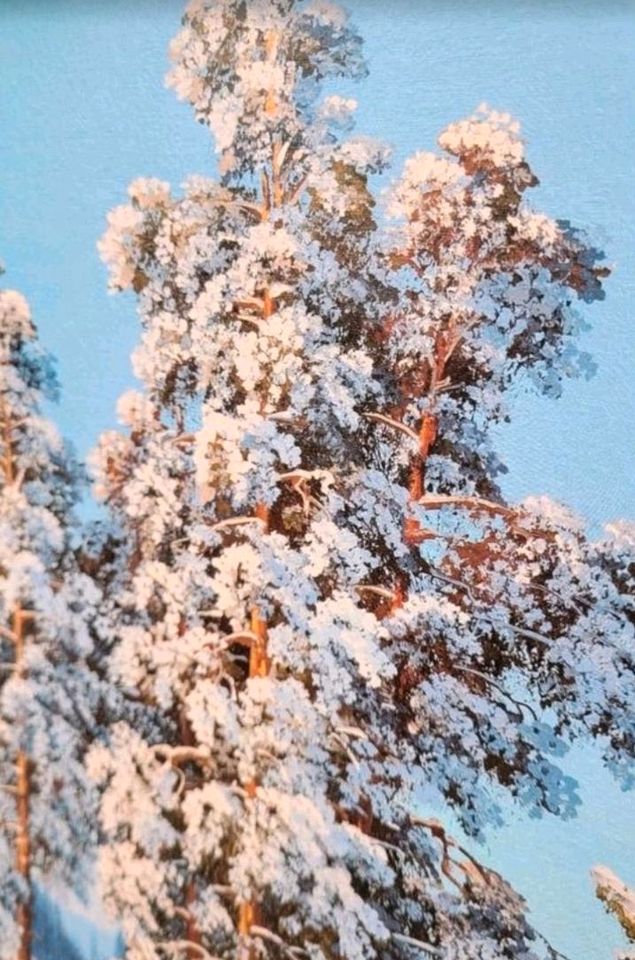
point(24, 913)
point(259, 664)
point(248, 911)
point(23, 837)
point(192, 932)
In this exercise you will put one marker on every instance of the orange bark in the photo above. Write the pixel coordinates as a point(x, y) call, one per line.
point(413, 531)
point(259, 664)
point(24, 914)
point(23, 790)
point(258, 659)
point(192, 932)
point(271, 48)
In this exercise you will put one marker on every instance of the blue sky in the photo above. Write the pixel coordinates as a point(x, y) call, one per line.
point(83, 111)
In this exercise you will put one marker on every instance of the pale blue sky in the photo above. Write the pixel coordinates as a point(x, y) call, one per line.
point(83, 111)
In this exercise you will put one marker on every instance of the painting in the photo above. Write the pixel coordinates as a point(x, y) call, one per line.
point(317, 635)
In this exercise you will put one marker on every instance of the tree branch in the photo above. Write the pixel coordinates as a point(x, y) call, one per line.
point(178, 755)
point(300, 474)
point(234, 522)
point(262, 933)
point(529, 634)
point(517, 703)
point(182, 946)
point(377, 591)
point(438, 575)
point(241, 636)
point(395, 424)
point(420, 944)
point(434, 501)
point(295, 194)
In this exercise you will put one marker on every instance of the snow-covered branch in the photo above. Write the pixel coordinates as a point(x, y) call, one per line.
point(233, 522)
point(428, 948)
point(182, 754)
point(390, 422)
point(433, 501)
point(268, 936)
point(618, 897)
point(373, 590)
point(189, 948)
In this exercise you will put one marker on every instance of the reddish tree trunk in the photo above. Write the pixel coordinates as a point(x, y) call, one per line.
point(24, 915)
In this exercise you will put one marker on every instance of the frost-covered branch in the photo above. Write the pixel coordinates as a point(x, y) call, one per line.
point(519, 704)
point(428, 948)
point(188, 947)
point(373, 590)
point(432, 501)
point(390, 422)
point(232, 522)
point(182, 754)
point(618, 898)
point(268, 936)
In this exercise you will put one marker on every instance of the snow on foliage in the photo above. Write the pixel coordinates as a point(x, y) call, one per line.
point(620, 901)
point(48, 694)
point(323, 611)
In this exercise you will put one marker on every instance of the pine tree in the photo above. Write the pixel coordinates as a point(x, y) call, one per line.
point(511, 598)
point(331, 624)
point(48, 695)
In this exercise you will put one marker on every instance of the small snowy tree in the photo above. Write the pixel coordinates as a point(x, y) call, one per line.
point(620, 901)
point(48, 696)
point(329, 620)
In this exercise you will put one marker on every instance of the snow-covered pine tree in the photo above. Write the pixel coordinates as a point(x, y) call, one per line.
point(291, 618)
point(511, 633)
point(620, 901)
point(499, 600)
point(48, 697)
point(237, 611)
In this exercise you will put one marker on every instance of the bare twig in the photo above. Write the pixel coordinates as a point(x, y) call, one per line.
point(517, 703)
point(438, 575)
